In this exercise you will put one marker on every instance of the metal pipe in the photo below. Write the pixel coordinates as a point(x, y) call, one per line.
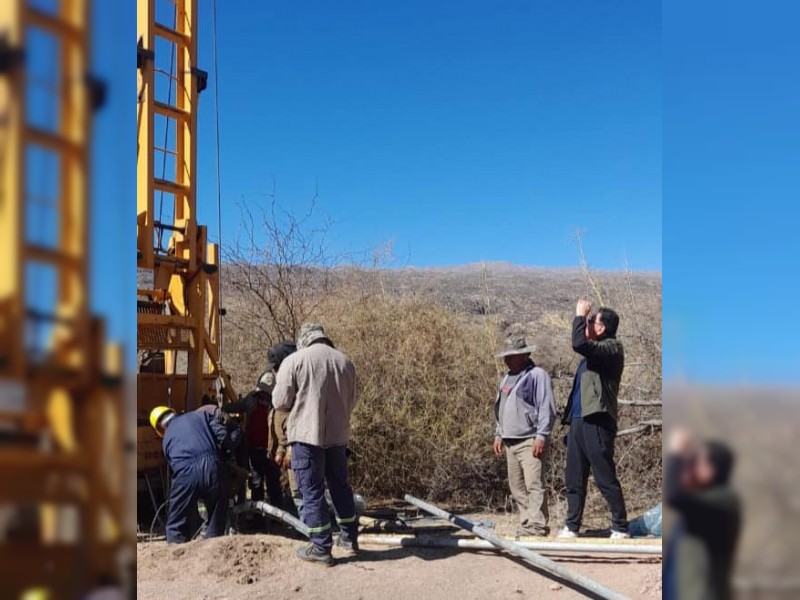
point(528, 556)
point(472, 544)
point(275, 513)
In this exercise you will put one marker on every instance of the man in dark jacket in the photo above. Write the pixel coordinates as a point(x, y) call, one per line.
point(702, 544)
point(194, 445)
point(591, 413)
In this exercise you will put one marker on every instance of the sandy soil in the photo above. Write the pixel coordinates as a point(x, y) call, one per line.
point(264, 566)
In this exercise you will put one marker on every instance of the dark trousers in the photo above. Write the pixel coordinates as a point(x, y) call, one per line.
point(242, 459)
point(590, 444)
point(204, 479)
point(313, 467)
point(265, 472)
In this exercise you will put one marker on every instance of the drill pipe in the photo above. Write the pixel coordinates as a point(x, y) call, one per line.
point(275, 513)
point(542, 563)
point(544, 546)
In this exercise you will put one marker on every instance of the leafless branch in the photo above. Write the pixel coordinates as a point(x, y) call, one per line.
point(280, 267)
point(641, 428)
point(585, 267)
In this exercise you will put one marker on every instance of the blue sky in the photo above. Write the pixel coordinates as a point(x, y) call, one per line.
point(489, 132)
point(731, 163)
point(459, 131)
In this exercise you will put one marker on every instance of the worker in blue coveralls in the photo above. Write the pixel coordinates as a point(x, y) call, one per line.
point(195, 444)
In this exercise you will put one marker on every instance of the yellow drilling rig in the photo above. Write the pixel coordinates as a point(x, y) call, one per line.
point(178, 284)
point(62, 443)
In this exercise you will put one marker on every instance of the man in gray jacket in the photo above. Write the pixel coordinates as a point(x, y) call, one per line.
point(317, 385)
point(524, 414)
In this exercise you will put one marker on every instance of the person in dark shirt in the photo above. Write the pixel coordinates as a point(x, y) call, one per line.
point(256, 407)
point(194, 445)
point(701, 548)
point(591, 414)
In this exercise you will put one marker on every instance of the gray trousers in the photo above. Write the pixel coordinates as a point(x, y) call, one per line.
point(526, 480)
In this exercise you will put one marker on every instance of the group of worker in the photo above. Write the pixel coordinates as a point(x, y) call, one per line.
point(299, 416)
point(700, 557)
point(298, 419)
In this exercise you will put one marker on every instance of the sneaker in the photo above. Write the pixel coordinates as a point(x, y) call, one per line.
point(349, 546)
point(316, 555)
point(619, 535)
point(567, 534)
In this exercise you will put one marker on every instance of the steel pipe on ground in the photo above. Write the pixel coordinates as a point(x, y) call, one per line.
point(471, 544)
point(274, 512)
point(528, 556)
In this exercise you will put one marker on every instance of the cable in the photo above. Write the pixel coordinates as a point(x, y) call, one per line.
point(219, 192)
point(153, 524)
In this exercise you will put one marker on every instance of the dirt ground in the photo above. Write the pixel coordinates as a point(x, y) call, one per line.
point(253, 567)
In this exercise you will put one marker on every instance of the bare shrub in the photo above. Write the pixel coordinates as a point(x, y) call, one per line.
point(280, 266)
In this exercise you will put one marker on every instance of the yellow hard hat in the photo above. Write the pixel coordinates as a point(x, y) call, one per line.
point(158, 413)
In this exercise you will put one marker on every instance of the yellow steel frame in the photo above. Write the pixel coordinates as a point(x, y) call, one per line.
point(185, 280)
point(68, 498)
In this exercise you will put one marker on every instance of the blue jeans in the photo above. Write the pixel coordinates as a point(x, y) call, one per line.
point(313, 466)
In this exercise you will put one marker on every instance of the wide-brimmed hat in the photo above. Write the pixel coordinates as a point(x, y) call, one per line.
point(515, 345)
point(310, 333)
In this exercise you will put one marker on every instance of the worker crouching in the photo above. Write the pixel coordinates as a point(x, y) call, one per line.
point(317, 385)
point(194, 445)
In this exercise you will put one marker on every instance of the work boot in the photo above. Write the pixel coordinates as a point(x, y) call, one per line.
point(316, 555)
point(349, 546)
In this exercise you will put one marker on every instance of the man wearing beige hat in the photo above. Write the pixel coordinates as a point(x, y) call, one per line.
point(524, 412)
point(317, 385)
